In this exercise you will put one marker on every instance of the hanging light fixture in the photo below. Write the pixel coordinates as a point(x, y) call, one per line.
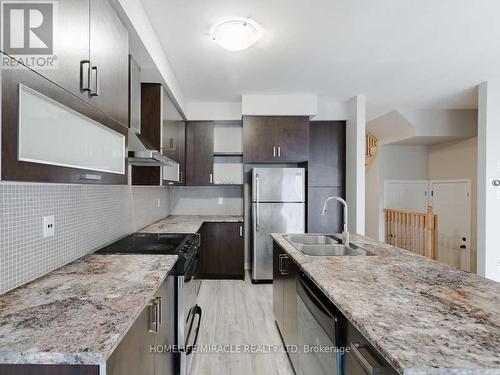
point(236, 34)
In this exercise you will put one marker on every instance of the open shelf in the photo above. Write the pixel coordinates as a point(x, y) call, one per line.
point(229, 154)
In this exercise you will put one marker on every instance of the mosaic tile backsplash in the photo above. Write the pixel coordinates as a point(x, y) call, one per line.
point(86, 218)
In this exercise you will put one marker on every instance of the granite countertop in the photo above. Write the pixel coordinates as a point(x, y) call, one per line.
point(424, 317)
point(187, 223)
point(78, 314)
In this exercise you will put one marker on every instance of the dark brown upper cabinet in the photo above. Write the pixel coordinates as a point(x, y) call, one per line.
point(161, 127)
point(326, 174)
point(275, 138)
point(91, 56)
point(327, 158)
point(72, 46)
point(199, 153)
point(151, 130)
point(174, 146)
point(151, 113)
point(259, 138)
point(51, 136)
point(109, 61)
point(173, 142)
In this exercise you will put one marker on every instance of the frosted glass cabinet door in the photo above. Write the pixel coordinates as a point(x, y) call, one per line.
point(48, 135)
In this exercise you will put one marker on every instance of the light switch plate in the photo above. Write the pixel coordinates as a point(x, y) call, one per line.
point(48, 226)
point(220, 200)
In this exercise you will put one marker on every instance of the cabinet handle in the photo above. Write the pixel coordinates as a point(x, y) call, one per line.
point(274, 151)
point(279, 151)
point(157, 319)
point(90, 177)
point(84, 75)
point(257, 188)
point(282, 258)
point(160, 308)
point(379, 369)
point(211, 178)
point(96, 82)
point(241, 231)
point(180, 176)
point(153, 320)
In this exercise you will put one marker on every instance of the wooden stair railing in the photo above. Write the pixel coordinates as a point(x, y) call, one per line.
point(412, 231)
point(371, 147)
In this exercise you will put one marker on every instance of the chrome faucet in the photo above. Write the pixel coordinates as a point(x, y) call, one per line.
point(345, 232)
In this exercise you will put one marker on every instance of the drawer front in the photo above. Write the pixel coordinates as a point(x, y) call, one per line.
point(363, 358)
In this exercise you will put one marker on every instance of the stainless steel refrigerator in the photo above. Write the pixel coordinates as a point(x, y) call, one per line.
point(278, 206)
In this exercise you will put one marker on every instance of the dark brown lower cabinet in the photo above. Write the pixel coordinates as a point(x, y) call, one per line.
point(143, 349)
point(222, 251)
point(285, 298)
point(363, 358)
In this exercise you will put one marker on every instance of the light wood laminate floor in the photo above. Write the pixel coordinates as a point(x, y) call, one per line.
point(238, 313)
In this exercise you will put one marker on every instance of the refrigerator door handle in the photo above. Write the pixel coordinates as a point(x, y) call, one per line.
point(257, 188)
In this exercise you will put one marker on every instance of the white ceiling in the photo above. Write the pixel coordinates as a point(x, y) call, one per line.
point(399, 53)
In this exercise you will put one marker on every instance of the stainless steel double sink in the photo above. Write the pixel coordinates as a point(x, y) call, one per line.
point(323, 245)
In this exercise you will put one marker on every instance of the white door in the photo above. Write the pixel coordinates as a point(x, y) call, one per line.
point(451, 201)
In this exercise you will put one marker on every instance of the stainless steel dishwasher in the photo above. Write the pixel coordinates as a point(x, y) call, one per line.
point(319, 329)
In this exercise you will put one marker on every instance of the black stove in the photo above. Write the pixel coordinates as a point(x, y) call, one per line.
point(185, 246)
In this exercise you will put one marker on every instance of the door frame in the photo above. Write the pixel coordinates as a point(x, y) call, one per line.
point(467, 181)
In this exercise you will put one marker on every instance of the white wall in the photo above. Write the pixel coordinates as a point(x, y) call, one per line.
point(227, 111)
point(393, 162)
point(329, 110)
point(443, 122)
point(195, 200)
point(424, 126)
point(285, 105)
point(488, 196)
point(458, 160)
point(355, 176)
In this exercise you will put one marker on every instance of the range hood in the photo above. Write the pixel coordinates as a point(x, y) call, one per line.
point(142, 153)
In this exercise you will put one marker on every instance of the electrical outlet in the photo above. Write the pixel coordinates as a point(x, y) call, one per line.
point(159, 202)
point(498, 263)
point(220, 200)
point(48, 226)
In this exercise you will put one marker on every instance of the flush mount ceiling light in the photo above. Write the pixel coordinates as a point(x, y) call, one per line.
point(236, 34)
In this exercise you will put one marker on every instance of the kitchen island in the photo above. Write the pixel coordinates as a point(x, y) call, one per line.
point(422, 316)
